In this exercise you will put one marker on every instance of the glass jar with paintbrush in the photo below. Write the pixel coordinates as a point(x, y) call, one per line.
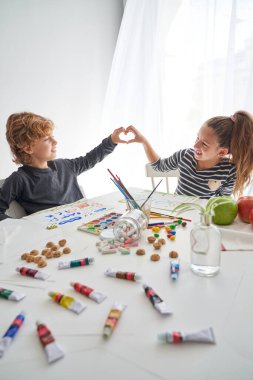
point(128, 227)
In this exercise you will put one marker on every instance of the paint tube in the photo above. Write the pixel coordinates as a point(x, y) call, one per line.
point(174, 269)
point(112, 319)
point(75, 263)
point(88, 292)
point(201, 336)
point(24, 271)
point(11, 295)
point(156, 301)
point(51, 348)
point(67, 302)
point(130, 276)
point(11, 332)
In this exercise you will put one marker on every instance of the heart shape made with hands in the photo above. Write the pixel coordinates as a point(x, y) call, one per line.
point(126, 136)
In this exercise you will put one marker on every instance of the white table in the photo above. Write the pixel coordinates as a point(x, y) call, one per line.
point(133, 351)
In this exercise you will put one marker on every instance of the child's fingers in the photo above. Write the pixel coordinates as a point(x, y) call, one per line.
point(122, 141)
point(120, 130)
point(130, 128)
point(131, 141)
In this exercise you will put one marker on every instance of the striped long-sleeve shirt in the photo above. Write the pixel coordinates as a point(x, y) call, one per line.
point(205, 183)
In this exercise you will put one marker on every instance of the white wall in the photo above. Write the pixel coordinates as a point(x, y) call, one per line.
point(55, 59)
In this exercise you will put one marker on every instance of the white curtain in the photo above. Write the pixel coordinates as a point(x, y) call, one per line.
point(208, 66)
point(176, 64)
point(134, 88)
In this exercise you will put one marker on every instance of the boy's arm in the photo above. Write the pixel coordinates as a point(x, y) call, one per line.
point(151, 154)
point(81, 164)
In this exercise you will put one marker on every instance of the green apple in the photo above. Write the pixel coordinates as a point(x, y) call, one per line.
point(225, 209)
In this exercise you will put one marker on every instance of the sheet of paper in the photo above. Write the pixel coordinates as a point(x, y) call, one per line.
point(81, 210)
point(167, 202)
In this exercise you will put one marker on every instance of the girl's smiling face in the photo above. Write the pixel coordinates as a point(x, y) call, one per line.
point(207, 151)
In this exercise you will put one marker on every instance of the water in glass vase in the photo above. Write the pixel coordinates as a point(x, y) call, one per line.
point(205, 247)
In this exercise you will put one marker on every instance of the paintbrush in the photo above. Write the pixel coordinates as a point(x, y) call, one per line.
point(154, 214)
point(152, 192)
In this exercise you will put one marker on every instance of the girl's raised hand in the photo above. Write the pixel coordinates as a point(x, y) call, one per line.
point(138, 137)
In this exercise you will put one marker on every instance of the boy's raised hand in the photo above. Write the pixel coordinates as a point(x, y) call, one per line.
point(115, 136)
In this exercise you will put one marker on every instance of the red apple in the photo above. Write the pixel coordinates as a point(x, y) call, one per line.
point(245, 205)
point(251, 217)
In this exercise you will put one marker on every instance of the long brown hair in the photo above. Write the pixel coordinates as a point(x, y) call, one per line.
point(24, 128)
point(236, 133)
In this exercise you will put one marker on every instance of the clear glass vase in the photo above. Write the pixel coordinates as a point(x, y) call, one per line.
point(205, 247)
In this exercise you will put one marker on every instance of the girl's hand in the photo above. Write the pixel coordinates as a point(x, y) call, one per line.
point(138, 137)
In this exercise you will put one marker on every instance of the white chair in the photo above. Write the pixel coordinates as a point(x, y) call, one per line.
point(15, 210)
point(82, 190)
point(150, 172)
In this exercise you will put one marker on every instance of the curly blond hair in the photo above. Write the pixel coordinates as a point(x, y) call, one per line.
point(236, 133)
point(22, 130)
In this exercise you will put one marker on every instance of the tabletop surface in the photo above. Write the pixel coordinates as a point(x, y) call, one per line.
point(133, 351)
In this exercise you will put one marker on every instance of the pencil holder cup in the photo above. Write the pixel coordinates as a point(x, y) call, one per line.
point(129, 226)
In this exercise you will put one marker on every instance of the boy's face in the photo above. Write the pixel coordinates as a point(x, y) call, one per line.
point(42, 151)
point(207, 151)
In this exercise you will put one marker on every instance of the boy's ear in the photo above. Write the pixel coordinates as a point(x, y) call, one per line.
point(28, 149)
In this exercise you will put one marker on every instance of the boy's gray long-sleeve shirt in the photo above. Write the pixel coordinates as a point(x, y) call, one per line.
point(38, 189)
